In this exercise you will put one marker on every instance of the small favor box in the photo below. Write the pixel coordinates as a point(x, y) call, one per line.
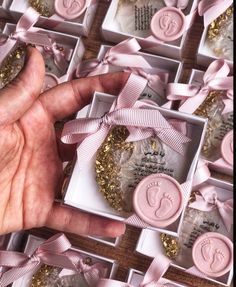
point(150, 242)
point(33, 243)
point(168, 70)
point(218, 163)
point(111, 30)
point(135, 278)
point(205, 54)
point(54, 73)
point(94, 202)
point(114, 242)
point(79, 26)
point(4, 9)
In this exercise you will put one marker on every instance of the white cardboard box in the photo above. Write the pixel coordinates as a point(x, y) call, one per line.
point(94, 202)
point(78, 27)
point(205, 55)
point(149, 242)
point(173, 68)
point(135, 278)
point(32, 244)
point(196, 77)
point(114, 242)
point(4, 9)
point(72, 42)
point(111, 32)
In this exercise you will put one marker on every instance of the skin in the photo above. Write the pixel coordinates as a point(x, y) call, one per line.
point(31, 156)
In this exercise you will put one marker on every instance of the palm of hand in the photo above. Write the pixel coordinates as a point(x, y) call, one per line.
point(30, 165)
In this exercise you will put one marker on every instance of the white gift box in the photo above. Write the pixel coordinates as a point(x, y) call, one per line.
point(94, 202)
point(162, 65)
point(135, 278)
point(4, 9)
point(205, 55)
point(32, 244)
point(64, 40)
point(114, 242)
point(196, 77)
point(111, 32)
point(78, 27)
point(150, 244)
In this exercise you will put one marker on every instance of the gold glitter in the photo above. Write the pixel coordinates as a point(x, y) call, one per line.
point(42, 276)
point(215, 27)
point(107, 169)
point(170, 245)
point(203, 111)
point(40, 7)
point(12, 65)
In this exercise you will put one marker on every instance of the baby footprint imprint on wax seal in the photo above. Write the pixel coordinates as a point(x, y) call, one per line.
point(158, 200)
point(70, 9)
point(206, 250)
point(165, 206)
point(212, 254)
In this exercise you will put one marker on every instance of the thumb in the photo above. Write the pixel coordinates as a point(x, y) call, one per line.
point(17, 97)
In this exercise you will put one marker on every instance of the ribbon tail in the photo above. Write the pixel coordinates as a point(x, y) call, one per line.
point(201, 204)
point(93, 276)
point(191, 104)
point(226, 213)
point(135, 220)
point(15, 273)
point(94, 140)
point(228, 108)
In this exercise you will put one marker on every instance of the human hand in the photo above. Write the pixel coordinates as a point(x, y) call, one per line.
point(30, 157)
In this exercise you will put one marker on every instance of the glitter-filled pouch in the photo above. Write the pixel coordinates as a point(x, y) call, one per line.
point(61, 53)
point(217, 38)
point(54, 263)
point(74, 17)
point(159, 26)
point(207, 220)
point(210, 95)
point(127, 153)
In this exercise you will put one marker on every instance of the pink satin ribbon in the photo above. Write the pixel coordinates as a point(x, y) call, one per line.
point(53, 252)
point(211, 9)
point(202, 173)
point(141, 122)
point(152, 278)
point(215, 78)
point(24, 32)
point(209, 201)
point(123, 54)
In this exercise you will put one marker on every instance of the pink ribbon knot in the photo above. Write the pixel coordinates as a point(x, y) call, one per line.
point(24, 32)
point(141, 122)
point(53, 252)
point(215, 79)
point(123, 54)
point(208, 201)
point(212, 9)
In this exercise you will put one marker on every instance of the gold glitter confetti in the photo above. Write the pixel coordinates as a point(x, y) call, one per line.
point(12, 65)
point(107, 169)
point(45, 276)
point(215, 27)
point(171, 245)
point(40, 7)
point(204, 110)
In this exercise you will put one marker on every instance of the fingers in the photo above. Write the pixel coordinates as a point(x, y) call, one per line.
point(67, 219)
point(70, 97)
point(17, 97)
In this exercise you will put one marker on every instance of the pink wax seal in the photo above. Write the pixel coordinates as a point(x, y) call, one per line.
point(213, 254)
point(70, 9)
point(50, 81)
point(227, 147)
point(158, 200)
point(168, 24)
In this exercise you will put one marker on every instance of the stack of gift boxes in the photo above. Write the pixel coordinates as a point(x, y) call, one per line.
point(151, 149)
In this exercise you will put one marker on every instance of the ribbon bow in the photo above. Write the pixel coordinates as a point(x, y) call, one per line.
point(24, 32)
point(215, 78)
point(141, 123)
point(152, 278)
point(121, 55)
point(211, 9)
point(208, 201)
point(52, 252)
